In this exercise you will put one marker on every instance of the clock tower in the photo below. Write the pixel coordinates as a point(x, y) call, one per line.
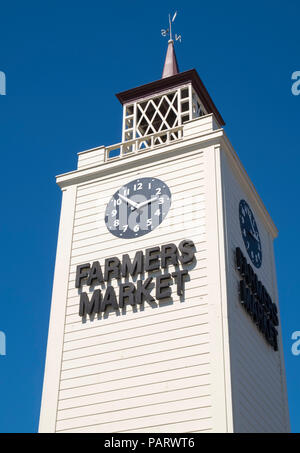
point(164, 314)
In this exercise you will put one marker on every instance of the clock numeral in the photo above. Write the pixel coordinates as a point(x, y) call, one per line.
point(124, 228)
point(136, 228)
point(157, 212)
point(138, 186)
point(161, 200)
point(158, 191)
point(116, 223)
point(149, 222)
point(117, 202)
point(114, 212)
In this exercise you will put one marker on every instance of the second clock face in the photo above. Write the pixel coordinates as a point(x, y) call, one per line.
point(138, 208)
point(250, 233)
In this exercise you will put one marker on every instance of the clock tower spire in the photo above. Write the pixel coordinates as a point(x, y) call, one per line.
point(171, 65)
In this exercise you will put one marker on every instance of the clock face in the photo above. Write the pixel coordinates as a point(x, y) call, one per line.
point(250, 233)
point(138, 208)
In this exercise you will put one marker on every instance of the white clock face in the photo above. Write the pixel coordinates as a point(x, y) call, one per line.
point(138, 208)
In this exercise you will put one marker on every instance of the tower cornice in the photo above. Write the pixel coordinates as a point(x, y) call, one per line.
point(174, 81)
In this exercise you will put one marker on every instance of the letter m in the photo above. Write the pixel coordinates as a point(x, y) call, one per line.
point(132, 268)
point(87, 306)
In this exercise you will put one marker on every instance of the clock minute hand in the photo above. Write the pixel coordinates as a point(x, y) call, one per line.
point(140, 205)
point(252, 235)
point(133, 203)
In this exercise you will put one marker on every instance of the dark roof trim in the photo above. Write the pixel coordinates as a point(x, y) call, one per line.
point(173, 82)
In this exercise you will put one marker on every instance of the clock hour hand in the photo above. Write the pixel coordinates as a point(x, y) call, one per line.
point(144, 203)
point(132, 203)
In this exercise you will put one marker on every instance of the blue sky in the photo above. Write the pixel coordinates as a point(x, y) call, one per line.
point(64, 61)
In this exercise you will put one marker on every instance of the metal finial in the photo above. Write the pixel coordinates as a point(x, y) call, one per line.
point(168, 31)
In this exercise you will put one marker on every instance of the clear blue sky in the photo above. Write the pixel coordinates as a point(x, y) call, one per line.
point(64, 62)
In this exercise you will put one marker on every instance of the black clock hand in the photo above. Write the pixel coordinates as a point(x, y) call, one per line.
point(252, 235)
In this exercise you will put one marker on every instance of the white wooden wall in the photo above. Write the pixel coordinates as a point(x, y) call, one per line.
point(149, 369)
point(258, 376)
point(180, 367)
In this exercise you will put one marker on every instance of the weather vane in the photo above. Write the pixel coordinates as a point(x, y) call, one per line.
point(165, 32)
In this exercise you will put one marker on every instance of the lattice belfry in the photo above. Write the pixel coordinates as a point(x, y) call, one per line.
point(159, 114)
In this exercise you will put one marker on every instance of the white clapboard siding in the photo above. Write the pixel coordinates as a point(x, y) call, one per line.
point(85, 251)
point(129, 340)
point(193, 272)
point(91, 329)
point(187, 207)
point(196, 180)
point(191, 363)
point(256, 368)
point(114, 335)
point(201, 404)
point(90, 192)
point(196, 279)
point(180, 427)
point(189, 284)
point(194, 295)
point(91, 157)
point(199, 241)
point(120, 359)
point(159, 380)
point(175, 232)
point(145, 315)
point(145, 360)
point(101, 367)
point(177, 197)
point(135, 402)
point(143, 422)
point(207, 124)
point(75, 322)
point(136, 391)
point(91, 229)
point(94, 375)
point(157, 169)
point(180, 191)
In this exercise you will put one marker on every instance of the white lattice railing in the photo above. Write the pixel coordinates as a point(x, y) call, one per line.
point(144, 143)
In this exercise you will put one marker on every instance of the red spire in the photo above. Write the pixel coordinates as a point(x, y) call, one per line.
point(171, 65)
